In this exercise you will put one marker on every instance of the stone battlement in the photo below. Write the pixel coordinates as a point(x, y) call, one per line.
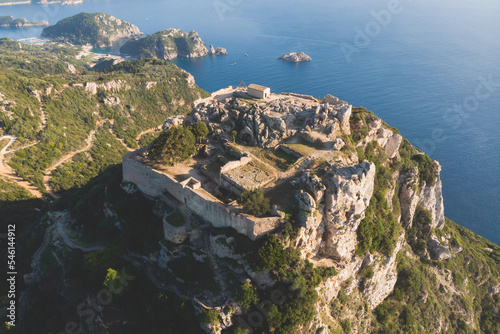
point(191, 193)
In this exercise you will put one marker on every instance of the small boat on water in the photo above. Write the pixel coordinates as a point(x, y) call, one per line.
point(246, 54)
point(233, 64)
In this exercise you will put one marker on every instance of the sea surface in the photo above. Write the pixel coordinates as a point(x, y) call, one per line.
point(429, 68)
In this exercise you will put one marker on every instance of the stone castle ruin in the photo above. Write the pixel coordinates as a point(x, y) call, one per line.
point(290, 145)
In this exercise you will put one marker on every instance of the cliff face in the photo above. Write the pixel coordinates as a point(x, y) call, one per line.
point(363, 198)
point(169, 44)
point(98, 29)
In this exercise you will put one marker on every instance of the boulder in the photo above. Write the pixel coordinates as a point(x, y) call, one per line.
point(338, 143)
point(306, 201)
point(437, 251)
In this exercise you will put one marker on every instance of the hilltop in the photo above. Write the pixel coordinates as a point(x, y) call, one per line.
point(290, 214)
point(98, 29)
point(169, 44)
point(355, 230)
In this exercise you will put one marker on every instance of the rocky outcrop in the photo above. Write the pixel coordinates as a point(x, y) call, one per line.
point(217, 51)
point(267, 125)
point(169, 44)
point(294, 57)
point(306, 201)
point(348, 194)
point(386, 138)
point(113, 86)
point(408, 197)
point(431, 198)
point(377, 288)
point(437, 251)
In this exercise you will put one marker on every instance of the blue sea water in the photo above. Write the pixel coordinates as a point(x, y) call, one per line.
point(429, 68)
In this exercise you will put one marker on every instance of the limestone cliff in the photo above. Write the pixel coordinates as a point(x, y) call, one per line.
point(356, 202)
point(169, 44)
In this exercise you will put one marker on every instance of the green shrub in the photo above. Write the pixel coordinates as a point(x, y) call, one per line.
point(246, 296)
point(200, 130)
point(346, 326)
point(174, 145)
point(209, 316)
point(342, 296)
point(255, 202)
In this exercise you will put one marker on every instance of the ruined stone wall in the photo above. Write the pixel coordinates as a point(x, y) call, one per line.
point(154, 183)
point(235, 164)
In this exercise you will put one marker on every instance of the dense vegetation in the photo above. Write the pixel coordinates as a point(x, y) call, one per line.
point(10, 192)
point(422, 295)
point(87, 28)
point(429, 296)
point(72, 112)
point(295, 283)
point(379, 230)
point(172, 146)
point(254, 201)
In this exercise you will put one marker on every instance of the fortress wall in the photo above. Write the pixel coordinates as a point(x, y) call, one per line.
point(235, 164)
point(149, 181)
point(154, 183)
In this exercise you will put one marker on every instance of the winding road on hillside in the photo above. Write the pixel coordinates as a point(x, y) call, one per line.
point(7, 172)
point(48, 172)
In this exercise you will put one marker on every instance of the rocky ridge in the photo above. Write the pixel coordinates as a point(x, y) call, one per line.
point(333, 201)
point(170, 44)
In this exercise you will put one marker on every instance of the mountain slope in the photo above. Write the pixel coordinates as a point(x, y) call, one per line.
point(166, 45)
point(98, 29)
point(362, 245)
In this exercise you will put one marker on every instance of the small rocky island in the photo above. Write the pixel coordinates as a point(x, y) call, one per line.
point(217, 51)
point(170, 44)
point(294, 57)
point(11, 22)
point(98, 29)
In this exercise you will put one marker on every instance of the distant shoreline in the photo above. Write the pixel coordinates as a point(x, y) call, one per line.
point(45, 2)
point(16, 3)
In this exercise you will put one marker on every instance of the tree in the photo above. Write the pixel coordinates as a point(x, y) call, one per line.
point(200, 130)
point(173, 146)
point(209, 316)
point(255, 202)
point(247, 296)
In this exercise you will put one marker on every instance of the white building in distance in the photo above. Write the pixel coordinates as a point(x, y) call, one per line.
point(258, 91)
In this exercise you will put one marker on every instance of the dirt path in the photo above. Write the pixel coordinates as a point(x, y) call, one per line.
point(147, 131)
point(7, 172)
point(121, 141)
point(67, 157)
